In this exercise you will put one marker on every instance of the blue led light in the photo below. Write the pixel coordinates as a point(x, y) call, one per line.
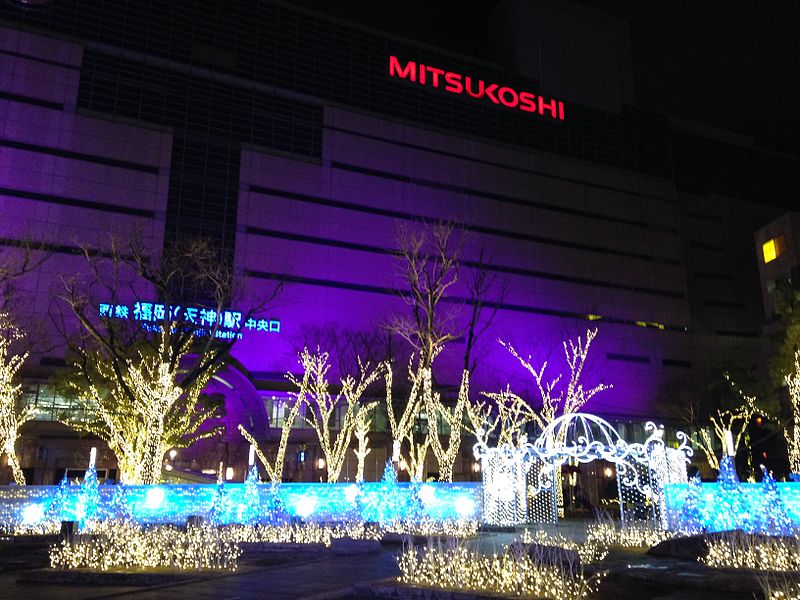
point(769, 507)
point(245, 502)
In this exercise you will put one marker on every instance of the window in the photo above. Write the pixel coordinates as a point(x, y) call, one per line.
point(49, 405)
point(773, 248)
point(278, 409)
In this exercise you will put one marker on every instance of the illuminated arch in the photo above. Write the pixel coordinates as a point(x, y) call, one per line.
point(520, 482)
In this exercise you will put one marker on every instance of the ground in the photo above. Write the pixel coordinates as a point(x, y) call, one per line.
point(315, 574)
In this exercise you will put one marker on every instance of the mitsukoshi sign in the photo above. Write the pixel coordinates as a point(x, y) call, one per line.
point(459, 84)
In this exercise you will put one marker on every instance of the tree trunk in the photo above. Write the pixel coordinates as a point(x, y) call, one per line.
point(154, 454)
point(793, 444)
point(13, 462)
point(361, 454)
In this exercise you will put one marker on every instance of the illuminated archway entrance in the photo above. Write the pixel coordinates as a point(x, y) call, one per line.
point(520, 483)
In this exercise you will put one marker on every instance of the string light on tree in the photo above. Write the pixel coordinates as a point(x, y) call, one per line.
point(143, 411)
point(363, 423)
point(729, 427)
point(555, 400)
point(322, 406)
point(454, 418)
point(792, 432)
point(274, 468)
point(13, 413)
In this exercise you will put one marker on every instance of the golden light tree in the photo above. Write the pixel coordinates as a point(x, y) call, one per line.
point(13, 412)
point(503, 415)
point(323, 407)
point(792, 432)
point(734, 420)
point(446, 454)
point(139, 368)
point(417, 454)
point(514, 413)
point(405, 437)
point(274, 467)
point(362, 425)
point(140, 409)
point(555, 400)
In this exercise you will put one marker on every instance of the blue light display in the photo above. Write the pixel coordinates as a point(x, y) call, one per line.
point(237, 502)
point(769, 507)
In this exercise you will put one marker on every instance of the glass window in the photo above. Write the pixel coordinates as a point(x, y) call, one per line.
point(380, 419)
point(49, 405)
point(773, 248)
point(278, 409)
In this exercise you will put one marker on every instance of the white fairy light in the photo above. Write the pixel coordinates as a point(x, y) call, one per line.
point(743, 551)
point(427, 493)
point(513, 475)
point(123, 544)
point(128, 545)
point(513, 573)
point(305, 506)
point(154, 498)
point(591, 550)
point(633, 535)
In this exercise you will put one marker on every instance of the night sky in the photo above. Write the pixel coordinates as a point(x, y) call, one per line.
point(733, 65)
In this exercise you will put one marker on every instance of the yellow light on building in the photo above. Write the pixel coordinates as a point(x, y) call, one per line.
point(772, 249)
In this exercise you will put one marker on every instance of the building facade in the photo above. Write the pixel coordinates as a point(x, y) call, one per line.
point(301, 144)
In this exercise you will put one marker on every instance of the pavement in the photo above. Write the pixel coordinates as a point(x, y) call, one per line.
point(321, 575)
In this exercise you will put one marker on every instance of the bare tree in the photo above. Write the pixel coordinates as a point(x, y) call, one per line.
point(430, 267)
point(429, 259)
point(142, 378)
point(347, 348)
point(486, 293)
point(17, 259)
point(555, 399)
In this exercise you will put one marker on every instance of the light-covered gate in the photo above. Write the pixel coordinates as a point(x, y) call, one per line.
point(520, 483)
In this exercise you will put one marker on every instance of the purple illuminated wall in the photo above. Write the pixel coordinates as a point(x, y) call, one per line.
point(69, 178)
